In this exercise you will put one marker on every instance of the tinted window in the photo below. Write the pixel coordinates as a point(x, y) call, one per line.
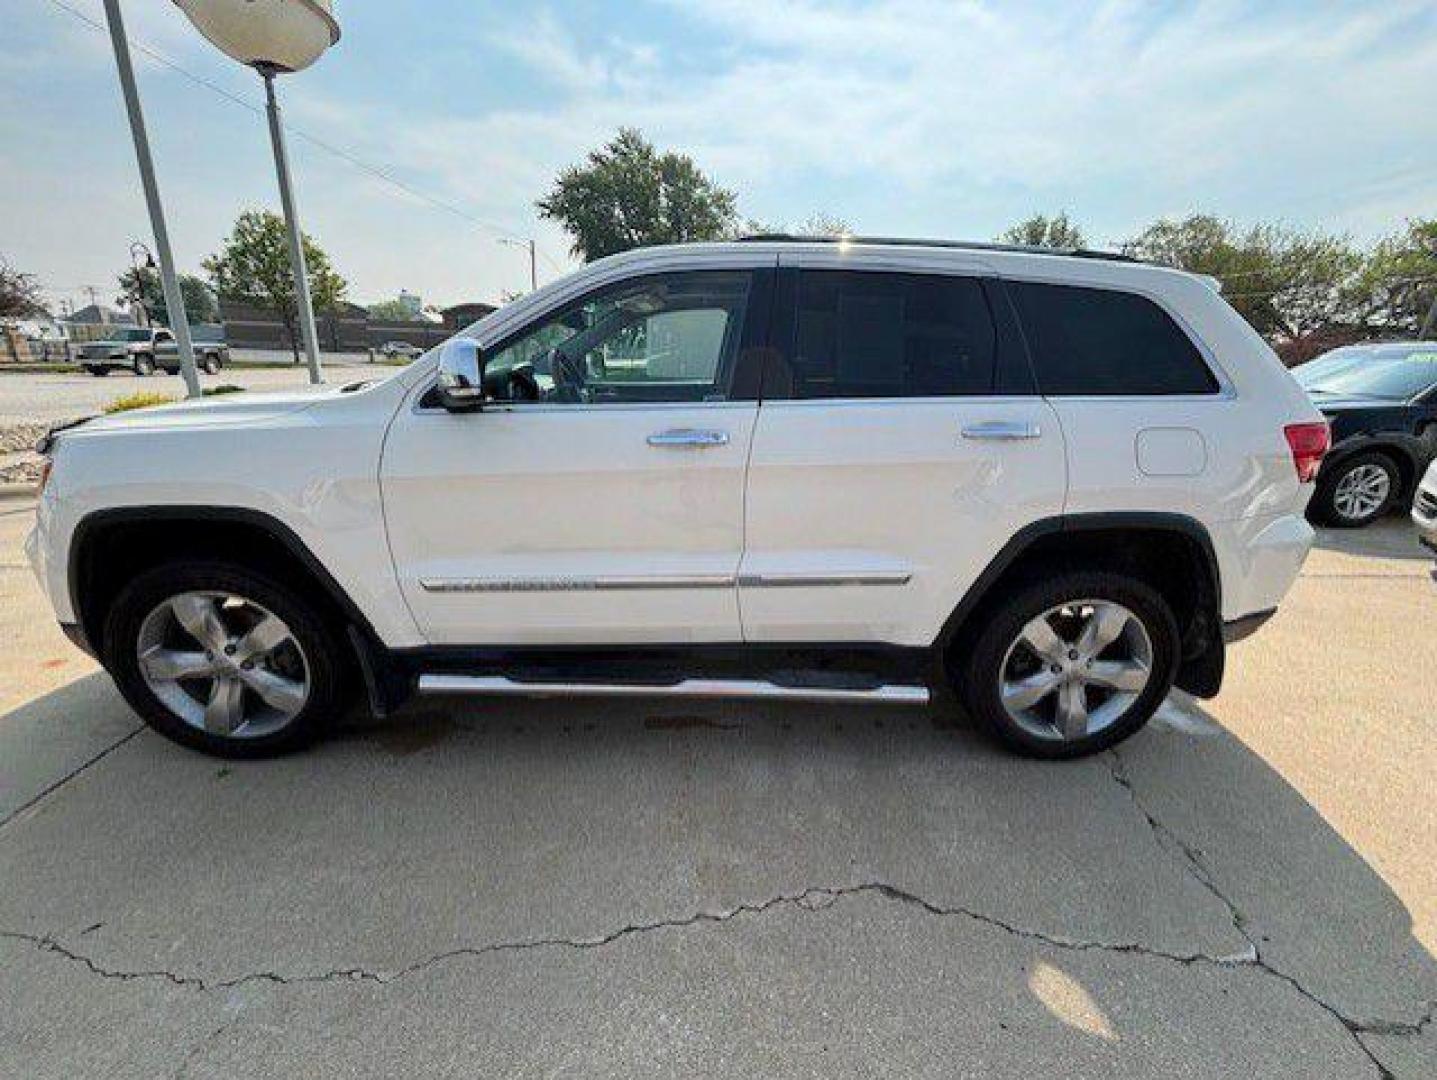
point(867, 335)
point(1382, 377)
point(667, 337)
point(1098, 341)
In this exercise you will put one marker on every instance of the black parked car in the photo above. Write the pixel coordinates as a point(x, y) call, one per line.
point(1381, 401)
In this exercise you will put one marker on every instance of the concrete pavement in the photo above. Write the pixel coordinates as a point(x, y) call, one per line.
point(640, 888)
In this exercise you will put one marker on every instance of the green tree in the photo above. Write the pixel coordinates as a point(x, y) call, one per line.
point(1287, 283)
point(391, 311)
point(816, 224)
point(629, 195)
point(19, 293)
point(1395, 291)
point(1046, 232)
point(253, 267)
point(143, 286)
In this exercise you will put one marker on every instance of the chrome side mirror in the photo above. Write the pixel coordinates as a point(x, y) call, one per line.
point(461, 375)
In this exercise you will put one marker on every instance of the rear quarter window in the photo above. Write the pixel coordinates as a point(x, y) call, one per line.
point(1103, 342)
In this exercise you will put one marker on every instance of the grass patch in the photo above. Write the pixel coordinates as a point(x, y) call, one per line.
point(145, 398)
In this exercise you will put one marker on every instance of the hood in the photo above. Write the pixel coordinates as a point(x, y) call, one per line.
point(220, 410)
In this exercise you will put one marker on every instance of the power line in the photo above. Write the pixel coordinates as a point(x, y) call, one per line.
point(345, 155)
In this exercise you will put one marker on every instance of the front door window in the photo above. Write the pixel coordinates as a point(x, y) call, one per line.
point(661, 338)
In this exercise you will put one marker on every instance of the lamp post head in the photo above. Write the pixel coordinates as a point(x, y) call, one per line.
point(275, 36)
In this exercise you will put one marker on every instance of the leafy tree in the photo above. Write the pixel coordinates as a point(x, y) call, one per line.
point(1047, 232)
point(143, 286)
point(1397, 286)
point(252, 267)
point(391, 310)
point(816, 224)
point(1285, 282)
point(629, 195)
point(19, 293)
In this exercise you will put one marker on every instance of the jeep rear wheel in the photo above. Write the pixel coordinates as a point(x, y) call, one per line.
point(210, 364)
point(144, 365)
point(223, 659)
point(1071, 665)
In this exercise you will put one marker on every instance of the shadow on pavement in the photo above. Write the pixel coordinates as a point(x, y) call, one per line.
point(598, 878)
point(1394, 537)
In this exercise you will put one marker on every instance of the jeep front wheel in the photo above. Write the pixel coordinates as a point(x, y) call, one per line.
point(144, 365)
point(223, 659)
point(1071, 665)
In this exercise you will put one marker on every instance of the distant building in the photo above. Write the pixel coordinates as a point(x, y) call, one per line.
point(412, 303)
point(459, 316)
point(102, 314)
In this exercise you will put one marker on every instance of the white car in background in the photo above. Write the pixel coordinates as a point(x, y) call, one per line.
point(853, 471)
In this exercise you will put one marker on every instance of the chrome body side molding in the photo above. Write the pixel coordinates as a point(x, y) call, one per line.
point(685, 688)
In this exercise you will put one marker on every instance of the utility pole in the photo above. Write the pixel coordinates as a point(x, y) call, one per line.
point(174, 300)
point(291, 220)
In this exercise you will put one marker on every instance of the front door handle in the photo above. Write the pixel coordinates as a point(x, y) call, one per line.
point(689, 437)
point(1003, 430)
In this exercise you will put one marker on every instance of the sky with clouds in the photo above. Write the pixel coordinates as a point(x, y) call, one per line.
point(900, 117)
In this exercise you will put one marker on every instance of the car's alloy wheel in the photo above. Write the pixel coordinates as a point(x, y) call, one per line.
point(210, 365)
point(1362, 491)
point(144, 366)
point(1067, 664)
point(223, 664)
point(1075, 669)
point(227, 659)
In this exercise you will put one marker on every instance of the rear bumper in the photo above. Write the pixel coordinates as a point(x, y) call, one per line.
point(1259, 559)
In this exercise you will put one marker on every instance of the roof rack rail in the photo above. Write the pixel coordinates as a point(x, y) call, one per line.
point(960, 245)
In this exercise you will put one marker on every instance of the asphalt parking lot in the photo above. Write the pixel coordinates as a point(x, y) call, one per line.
point(1248, 887)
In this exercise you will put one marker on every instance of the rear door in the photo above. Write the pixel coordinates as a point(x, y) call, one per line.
point(900, 444)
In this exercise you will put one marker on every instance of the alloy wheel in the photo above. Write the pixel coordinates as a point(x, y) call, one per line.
point(1076, 669)
point(223, 664)
point(1362, 491)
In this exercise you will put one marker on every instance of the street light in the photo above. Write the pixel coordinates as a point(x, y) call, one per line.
point(275, 37)
point(136, 247)
point(526, 242)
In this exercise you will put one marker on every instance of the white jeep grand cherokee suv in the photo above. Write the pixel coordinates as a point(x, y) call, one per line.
point(829, 471)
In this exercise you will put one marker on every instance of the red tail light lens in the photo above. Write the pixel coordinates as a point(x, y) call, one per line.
point(1308, 442)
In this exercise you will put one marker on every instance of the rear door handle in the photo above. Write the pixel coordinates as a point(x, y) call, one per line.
point(1004, 430)
point(689, 437)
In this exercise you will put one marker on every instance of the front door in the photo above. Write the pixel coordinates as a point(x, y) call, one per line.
point(598, 498)
point(900, 445)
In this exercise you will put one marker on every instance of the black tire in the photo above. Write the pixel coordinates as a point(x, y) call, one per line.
point(98, 371)
point(977, 673)
point(322, 646)
point(1324, 506)
point(210, 364)
point(144, 365)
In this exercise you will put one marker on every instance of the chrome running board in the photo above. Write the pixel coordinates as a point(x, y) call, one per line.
point(892, 694)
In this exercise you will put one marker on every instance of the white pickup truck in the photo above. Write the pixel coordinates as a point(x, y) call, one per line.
point(1049, 486)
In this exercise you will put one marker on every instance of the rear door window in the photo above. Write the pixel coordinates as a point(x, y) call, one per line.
point(1103, 342)
point(891, 335)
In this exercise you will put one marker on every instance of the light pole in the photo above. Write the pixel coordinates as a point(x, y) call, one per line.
point(275, 37)
point(174, 301)
point(533, 266)
point(137, 246)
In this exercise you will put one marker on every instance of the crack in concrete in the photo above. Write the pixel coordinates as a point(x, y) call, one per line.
point(1192, 859)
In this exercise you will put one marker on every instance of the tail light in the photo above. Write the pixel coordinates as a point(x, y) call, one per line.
point(1308, 442)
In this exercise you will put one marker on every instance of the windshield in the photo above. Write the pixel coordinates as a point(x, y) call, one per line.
point(1392, 378)
point(132, 335)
